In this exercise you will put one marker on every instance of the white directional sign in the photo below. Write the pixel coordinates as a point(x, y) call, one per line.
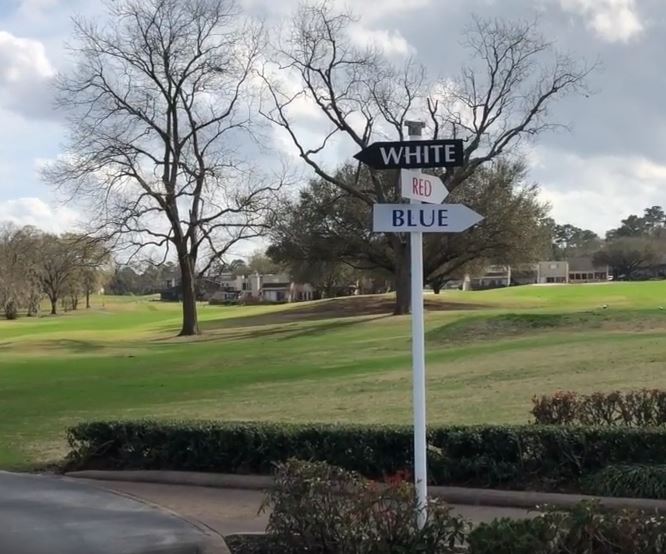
point(413, 153)
point(426, 218)
point(421, 186)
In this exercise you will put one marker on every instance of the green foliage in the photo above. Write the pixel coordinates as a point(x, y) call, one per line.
point(248, 544)
point(645, 481)
point(326, 510)
point(584, 530)
point(512, 536)
point(510, 456)
point(641, 408)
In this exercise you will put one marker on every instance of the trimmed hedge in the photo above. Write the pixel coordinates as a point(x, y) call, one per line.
point(646, 481)
point(639, 408)
point(517, 456)
point(583, 530)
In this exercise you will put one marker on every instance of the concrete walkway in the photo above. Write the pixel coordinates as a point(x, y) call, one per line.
point(53, 515)
point(229, 511)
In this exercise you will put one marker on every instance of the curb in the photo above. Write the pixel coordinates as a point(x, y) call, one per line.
point(192, 478)
point(454, 495)
point(213, 542)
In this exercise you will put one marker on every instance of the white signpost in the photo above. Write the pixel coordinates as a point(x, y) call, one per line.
point(415, 219)
point(421, 186)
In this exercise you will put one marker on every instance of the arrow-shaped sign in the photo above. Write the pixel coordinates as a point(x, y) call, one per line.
point(412, 154)
point(427, 218)
point(421, 186)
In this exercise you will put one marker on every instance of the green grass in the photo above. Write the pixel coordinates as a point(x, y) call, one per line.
point(341, 360)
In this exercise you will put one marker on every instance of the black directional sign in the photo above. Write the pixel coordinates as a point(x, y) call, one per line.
point(413, 154)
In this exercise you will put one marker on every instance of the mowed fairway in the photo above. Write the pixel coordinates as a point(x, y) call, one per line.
point(342, 360)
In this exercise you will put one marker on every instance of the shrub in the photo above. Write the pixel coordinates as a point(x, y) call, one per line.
point(641, 408)
point(584, 530)
point(507, 456)
point(326, 510)
point(512, 536)
point(560, 408)
point(645, 481)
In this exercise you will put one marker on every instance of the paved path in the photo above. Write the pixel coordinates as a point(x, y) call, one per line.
point(53, 515)
point(230, 511)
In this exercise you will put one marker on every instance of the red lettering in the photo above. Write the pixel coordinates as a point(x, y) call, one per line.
point(415, 184)
point(428, 187)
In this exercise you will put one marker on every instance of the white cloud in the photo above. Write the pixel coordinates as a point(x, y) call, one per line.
point(390, 41)
point(34, 211)
point(22, 59)
point(368, 10)
point(613, 20)
point(36, 8)
point(596, 192)
point(25, 76)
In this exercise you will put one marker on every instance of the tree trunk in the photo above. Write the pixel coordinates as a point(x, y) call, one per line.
point(436, 287)
point(190, 320)
point(54, 305)
point(87, 299)
point(402, 278)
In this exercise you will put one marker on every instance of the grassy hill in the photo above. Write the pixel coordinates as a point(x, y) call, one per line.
point(331, 360)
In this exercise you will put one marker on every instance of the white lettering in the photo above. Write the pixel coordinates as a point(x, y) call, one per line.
point(416, 153)
point(437, 148)
point(392, 156)
point(450, 153)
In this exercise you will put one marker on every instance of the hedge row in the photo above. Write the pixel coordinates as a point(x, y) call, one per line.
point(583, 530)
point(516, 456)
point(645, 481)
point(639, 408)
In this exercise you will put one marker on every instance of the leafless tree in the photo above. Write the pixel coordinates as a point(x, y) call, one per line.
point(61, 263)
point(159, 104)
point(363, 96)
point(18, 255)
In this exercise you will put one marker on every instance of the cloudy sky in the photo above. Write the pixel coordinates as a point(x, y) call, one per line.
point(612, 161)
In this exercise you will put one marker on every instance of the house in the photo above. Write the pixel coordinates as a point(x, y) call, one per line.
point(583, 270)
point(552, 272)
point(270, 287)
point(575, 270)
point(495, 276)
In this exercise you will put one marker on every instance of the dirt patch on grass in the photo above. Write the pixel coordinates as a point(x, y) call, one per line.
point(334, 308)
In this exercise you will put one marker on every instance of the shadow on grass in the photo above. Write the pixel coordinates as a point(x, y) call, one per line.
point(334, 308)
point(289, 331)
point(70, 345)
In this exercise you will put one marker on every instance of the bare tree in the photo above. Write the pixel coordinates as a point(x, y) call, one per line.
point(61, 262)
point(363, 97)
point(20, 287)
point(158, 109)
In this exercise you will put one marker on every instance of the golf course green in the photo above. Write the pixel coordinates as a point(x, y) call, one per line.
point(346, 360)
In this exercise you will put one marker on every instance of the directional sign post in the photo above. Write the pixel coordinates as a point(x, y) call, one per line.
point(415, 219)
point(412, 154)
point(424, 218)
point(420, 186)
